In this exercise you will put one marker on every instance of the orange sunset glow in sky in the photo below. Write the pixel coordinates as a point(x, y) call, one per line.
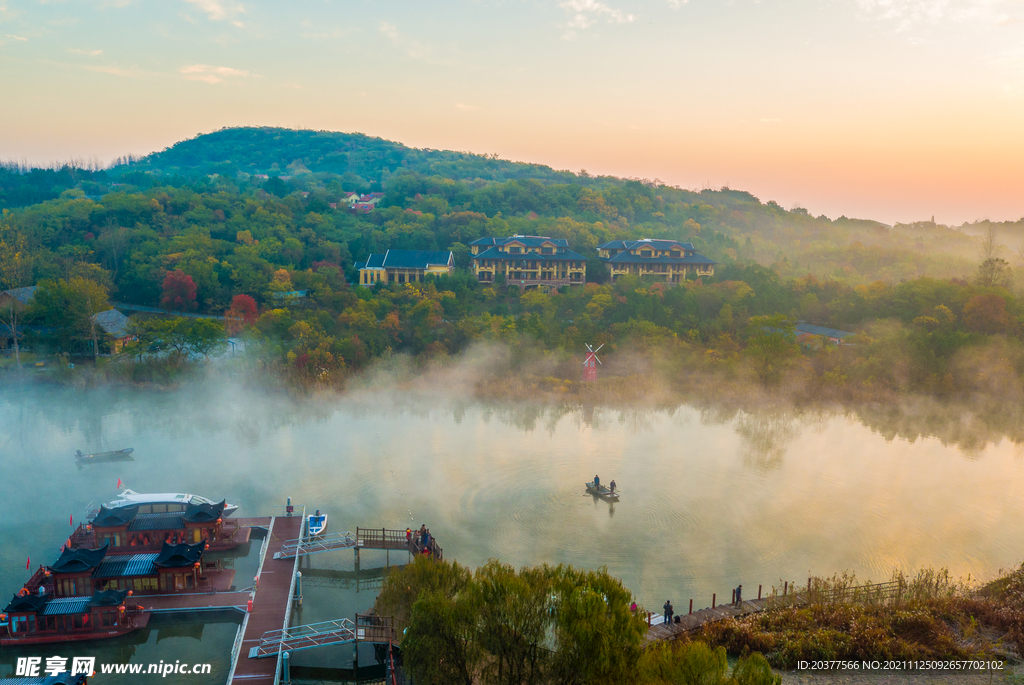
point(895, 110)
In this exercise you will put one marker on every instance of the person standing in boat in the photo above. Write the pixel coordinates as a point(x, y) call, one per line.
point(611, 487)
point(597, 483)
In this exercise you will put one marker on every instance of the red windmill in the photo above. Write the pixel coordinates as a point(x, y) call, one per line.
point(590, 363)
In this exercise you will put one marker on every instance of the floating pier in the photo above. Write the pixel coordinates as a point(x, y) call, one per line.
point(269, 607)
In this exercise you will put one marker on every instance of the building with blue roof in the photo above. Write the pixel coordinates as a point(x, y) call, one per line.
point(528, 261)
point(807, 333)
point(404, 266)
point(670, 261)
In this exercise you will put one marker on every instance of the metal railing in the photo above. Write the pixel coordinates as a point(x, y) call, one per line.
point(321, 543)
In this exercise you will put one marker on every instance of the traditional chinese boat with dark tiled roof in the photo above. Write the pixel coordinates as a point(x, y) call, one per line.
point(32, 619)
point(175, 568)
point(126, 529)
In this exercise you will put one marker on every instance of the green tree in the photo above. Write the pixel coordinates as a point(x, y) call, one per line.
point(206, 337)
point(15, 272)
point(93, 298)
point(994, 272)
point(771, 343)
point(69, 309)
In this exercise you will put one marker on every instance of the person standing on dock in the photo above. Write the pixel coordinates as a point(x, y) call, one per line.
point(668, 612)
point(739, 596)
point(408, 536)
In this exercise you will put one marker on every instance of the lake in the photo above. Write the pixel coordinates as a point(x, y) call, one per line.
point(711, 497)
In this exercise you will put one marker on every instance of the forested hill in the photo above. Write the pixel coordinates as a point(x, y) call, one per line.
point(359, 160)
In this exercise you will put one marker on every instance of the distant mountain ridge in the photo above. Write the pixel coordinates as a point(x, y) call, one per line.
point(285, 152)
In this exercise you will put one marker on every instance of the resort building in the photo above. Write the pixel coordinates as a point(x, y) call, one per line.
point(404, 266)
point(528, 261)
point(18, 299)
point(668, 260)
point(116, 328)
point(810, 335)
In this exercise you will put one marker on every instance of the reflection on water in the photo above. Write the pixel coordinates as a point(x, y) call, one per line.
point(712, 496)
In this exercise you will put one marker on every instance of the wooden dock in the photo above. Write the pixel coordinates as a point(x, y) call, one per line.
point(271, 603)
point(387, 539)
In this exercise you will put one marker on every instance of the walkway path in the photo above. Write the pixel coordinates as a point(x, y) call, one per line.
point(156, 310)
point(659, 631)
point(271, 603)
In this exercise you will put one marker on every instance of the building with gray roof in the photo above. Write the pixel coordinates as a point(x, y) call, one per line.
point(404, 266)
point(670, 261)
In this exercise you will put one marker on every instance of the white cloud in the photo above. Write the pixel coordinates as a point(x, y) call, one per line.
point(87, 53)
point(1011, 64)
point(585, 13)
point(14, 37)
point(909, 13)
point(114, 71)
point(412, 47)
point(217, 11)
point(211, 74)
point(465, 107)
point(676, 4)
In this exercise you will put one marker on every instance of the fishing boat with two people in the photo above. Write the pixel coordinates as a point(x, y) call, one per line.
point(595, 488)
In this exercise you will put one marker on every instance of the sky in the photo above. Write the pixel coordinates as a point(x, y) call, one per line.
point(894, 110)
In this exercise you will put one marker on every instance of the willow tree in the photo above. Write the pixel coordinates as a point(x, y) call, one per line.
point(597, 639)
point(515, 615)
point(440, 645)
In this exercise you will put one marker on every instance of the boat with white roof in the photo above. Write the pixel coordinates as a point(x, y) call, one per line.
point(160, 502)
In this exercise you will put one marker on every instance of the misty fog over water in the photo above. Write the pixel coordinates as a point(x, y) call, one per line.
point(710, 499)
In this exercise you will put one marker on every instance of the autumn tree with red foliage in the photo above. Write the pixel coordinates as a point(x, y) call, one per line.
point(179, 292)
point(985, 314)
point(241, 313)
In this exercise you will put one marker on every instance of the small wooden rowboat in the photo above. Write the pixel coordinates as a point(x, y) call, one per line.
point(317, 523)
point(116, 455)
point(602, 492)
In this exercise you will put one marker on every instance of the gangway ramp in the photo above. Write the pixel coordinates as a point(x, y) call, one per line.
point(368, 628)
point(322, 543)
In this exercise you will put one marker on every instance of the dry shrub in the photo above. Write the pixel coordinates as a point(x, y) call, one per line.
point(929, 615)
